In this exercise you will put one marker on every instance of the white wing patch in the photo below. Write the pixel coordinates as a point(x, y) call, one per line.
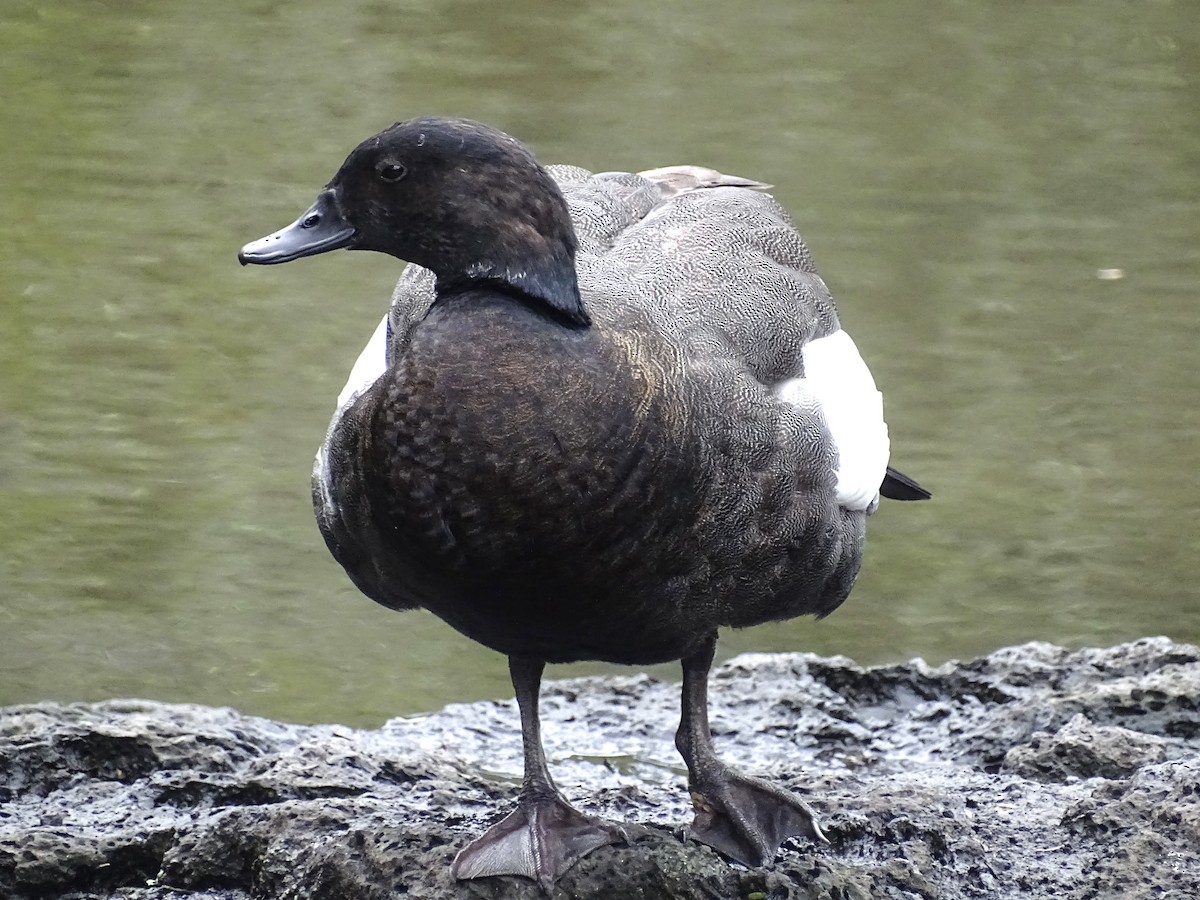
point(836, 377)
point(371, 363)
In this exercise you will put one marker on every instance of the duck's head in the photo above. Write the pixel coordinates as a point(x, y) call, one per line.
point(462, 199)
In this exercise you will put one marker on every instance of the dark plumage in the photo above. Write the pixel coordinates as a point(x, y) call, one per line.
point(610, 473)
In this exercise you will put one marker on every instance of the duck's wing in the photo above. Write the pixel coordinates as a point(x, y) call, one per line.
point(704, 253)
point(718, 267)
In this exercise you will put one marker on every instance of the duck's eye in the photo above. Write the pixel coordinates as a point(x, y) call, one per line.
point(391, 171)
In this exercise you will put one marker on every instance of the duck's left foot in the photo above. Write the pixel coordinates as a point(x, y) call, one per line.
point(746, 819)
point(540, 839)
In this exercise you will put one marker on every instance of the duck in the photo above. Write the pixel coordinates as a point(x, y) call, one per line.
point(604, 416)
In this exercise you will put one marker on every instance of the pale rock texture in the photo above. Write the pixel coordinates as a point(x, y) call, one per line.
point(1033, 772)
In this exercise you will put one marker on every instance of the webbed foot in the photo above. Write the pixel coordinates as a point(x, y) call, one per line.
point(541, 839)
point(746, 819)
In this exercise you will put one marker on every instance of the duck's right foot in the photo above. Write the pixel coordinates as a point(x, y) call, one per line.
point(541, 839)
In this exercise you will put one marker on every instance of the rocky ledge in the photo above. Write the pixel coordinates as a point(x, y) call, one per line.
point(1033, 772)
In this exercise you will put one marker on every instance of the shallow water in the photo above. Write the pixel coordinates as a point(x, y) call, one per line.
point(1007, 207)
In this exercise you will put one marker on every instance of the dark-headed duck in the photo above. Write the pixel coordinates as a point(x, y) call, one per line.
point(605, 416)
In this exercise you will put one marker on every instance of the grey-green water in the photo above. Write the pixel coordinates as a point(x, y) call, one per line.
point(965, 172)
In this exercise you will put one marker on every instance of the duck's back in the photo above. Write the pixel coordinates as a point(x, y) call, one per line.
point(707, 261)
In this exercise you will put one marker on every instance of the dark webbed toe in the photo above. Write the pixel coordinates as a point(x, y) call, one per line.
point(540, 840)
point(746, 819)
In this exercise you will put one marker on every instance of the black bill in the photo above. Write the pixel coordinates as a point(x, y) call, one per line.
point(321, 228)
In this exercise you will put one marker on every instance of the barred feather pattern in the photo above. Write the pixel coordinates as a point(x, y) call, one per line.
point(748, 312)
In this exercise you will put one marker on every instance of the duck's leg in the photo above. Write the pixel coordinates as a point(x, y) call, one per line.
point(545, 835)
point(741, 817)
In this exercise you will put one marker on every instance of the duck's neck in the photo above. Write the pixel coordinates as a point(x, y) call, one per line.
point(542, 275)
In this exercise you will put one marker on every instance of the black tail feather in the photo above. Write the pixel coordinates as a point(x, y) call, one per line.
point(898, 486)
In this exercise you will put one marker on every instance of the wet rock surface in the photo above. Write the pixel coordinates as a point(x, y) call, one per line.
point(1033, 772)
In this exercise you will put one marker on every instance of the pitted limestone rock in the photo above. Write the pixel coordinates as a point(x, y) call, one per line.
point(1035, 771)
